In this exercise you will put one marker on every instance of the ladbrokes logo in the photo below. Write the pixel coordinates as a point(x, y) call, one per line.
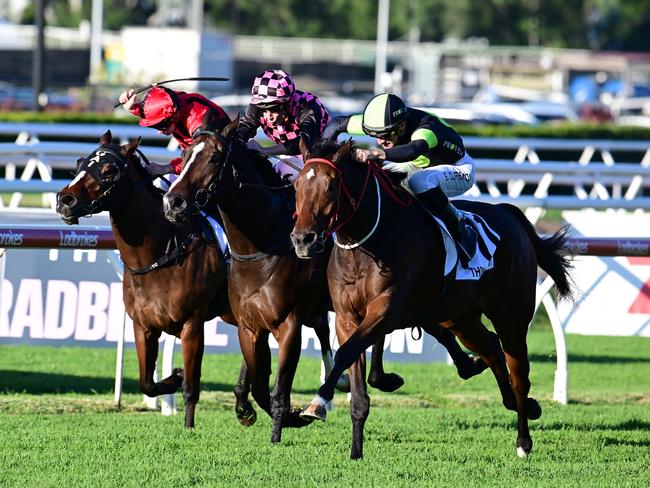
point(72, 239)
point(8, 238)
point(634, 248)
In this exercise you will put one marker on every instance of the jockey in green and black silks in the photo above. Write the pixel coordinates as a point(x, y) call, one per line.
point(425, 147)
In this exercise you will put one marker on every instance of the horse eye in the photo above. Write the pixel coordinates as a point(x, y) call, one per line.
point(108, 172)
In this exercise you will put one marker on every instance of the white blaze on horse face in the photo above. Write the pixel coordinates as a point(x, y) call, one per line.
point(77, 178)
point(196, 150)
point(310, 174)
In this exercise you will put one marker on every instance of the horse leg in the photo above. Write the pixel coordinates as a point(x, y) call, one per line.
point(513, 336)
point(288, 338)
point(257, 355)
point(359, 405)
point(369, 331)
point(466, 365)
point(146, 345)
point(378, 378)
point(320, 324)
point(192, 339)
point(477, 338)
point(243, 408)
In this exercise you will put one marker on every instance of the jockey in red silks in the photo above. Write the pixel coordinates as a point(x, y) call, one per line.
point(180, 115)
point(286, 115)
point(175, 113)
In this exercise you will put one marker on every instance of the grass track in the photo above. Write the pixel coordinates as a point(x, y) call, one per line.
point(59, 427)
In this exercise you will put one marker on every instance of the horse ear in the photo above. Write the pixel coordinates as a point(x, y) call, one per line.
point(106, 138)
point(304, 150)
point(132, 145)
point(231, 127)
point(343, 152)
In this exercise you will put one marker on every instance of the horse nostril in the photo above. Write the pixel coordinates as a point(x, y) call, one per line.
point(67, 200)
point(309, 238)
point(178, 204)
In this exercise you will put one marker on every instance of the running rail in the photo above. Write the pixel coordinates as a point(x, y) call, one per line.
point(102, 238)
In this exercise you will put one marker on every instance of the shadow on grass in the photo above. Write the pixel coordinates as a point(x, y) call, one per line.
point(589, 359)
point(44, 383)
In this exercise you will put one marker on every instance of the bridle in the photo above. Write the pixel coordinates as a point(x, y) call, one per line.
point(336, 221)
point(203, 195)
point(91, 165)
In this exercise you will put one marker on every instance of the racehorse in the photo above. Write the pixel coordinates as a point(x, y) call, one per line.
point(174, 280)
point(271, 291)
point(388, 268)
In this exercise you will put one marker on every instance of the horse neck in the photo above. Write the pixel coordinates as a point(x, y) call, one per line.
point(257, 219)
point(365, 216)
point(140, 229)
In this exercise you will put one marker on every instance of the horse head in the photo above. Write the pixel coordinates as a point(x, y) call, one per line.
point(208, 169)
point(319, 191)
point(99, 180)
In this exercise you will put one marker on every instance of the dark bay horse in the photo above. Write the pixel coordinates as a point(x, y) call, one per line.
point(271, 291)
point(173, 281)
point(396, 277)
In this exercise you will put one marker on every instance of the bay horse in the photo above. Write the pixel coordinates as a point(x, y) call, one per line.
point(174, 280)
point(271, 291)
point(388, 270)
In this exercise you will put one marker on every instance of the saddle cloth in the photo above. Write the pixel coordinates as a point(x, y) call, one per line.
point(481, 261)
point(219, 234)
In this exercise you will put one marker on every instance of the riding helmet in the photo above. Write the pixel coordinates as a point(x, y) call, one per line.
point(272, 87)
point(383, 114)
point(158, 107)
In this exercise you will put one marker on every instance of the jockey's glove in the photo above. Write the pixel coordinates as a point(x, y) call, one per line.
point(365, 155)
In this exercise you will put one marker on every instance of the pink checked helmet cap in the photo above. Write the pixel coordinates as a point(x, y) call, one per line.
point(272, 87)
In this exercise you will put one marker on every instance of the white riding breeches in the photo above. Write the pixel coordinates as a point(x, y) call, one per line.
point(453, 179)
point(287, 165)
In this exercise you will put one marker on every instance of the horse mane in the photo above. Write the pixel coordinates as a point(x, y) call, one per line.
point(328, 147)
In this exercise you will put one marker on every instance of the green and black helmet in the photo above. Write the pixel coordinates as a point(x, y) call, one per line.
point(383, 115)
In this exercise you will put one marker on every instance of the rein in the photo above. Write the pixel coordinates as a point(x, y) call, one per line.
point(381, 179)
point(176, 256)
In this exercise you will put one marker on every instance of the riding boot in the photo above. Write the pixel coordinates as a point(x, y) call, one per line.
point(463, 232)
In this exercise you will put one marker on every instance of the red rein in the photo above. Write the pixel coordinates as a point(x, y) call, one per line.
point(382, 178)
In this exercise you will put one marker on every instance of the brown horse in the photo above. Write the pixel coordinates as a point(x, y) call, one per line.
point(270, 289)
point(395, 276)
point(174, 282)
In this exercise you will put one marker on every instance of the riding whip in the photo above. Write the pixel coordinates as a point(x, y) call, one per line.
point(198, 78)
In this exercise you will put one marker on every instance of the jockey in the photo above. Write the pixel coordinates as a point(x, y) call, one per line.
point(180, 115)
point(427, 149)
point(286, 115)
point(175, 113)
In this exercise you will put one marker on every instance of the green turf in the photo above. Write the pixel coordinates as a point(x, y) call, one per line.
point(59, 426)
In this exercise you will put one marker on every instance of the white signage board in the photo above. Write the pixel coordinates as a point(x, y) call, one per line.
point(613, 296)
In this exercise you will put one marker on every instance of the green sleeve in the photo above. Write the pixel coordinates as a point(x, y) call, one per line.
point(426, 135)
point(355, 125)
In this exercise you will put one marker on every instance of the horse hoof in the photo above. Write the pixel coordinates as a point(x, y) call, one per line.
point(343, 384)
point(314, 411)
point(295, 420)
point(534, 409)
point(471, 368)
point(246, 415)
point(524, 446)
point(387, 382)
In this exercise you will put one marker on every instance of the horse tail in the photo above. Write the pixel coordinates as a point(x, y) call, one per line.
point(549, 252)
